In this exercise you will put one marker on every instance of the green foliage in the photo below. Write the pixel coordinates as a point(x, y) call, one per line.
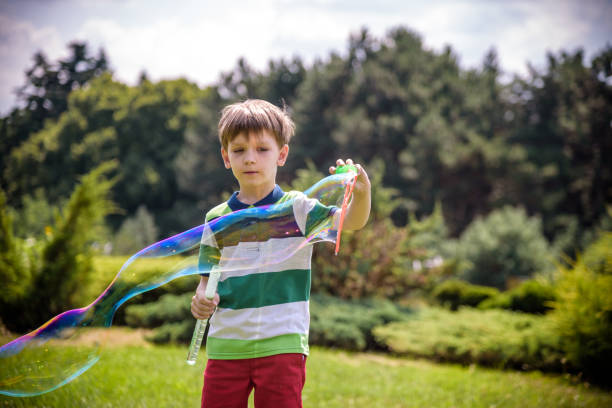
point(64, 256)
point(532, 296)
point(135, 233)
point(349, 324)
point(14, 271)
point(491, 338)
point(169, 308)
point(598, 255)
point(407, 258)
point(583, 317)
point(561, 119)
point(504, 245)
point(141, 127)
point(170, 316)
point(36, 215)
point(458, 138)
point(454, 293)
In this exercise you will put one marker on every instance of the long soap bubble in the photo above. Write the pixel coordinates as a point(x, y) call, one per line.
point(48, 357)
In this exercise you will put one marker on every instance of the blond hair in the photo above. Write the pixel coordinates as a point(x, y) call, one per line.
point(255, 115)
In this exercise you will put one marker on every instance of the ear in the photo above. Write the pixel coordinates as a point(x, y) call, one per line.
point(282, 156)
point(226, 160)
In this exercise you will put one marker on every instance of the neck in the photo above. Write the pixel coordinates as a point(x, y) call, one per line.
point(253, 194)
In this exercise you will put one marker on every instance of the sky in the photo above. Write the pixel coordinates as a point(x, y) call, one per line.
point(199, 39)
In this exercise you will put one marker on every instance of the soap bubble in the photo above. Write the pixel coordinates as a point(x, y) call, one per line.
point(50, 356)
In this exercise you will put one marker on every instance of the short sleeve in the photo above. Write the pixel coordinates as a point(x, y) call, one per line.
point(210, 254)
point(310, 214)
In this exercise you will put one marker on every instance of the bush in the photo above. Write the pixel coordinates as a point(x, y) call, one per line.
point(503, 245)
point(492, 338)
point(378, 259)
point(583, 316)
point(532, 296)
point(170, 316)
point(598, 256)
point(169, 308)
point(349, 324)
point(455, 293)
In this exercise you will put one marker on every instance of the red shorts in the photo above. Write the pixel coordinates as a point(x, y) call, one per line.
point(278, 382)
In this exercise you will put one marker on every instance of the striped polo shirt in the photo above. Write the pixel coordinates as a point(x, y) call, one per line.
point(264, 288)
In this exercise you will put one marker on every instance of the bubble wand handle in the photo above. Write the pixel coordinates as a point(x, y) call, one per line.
point(347, 168)
point(200, 328)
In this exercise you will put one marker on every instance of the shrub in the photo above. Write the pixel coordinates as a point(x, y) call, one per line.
point(583, 316)
point(598, 256)
point(349, 324)
point(532, 296)
point(170, 316)
point(455, 293)
point(502, 245)
point(492, 338)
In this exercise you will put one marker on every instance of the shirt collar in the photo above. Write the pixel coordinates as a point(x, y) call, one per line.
point(271, 198)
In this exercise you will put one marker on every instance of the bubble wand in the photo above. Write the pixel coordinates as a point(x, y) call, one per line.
point(347, 168)
point(200, 328)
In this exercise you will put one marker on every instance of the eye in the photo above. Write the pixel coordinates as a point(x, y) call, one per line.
point(238, 150)
point(263, 149)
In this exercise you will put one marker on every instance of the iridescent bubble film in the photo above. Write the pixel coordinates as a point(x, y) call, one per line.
point(48, 357)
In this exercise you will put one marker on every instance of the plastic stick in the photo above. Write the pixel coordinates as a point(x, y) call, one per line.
point(200, 327)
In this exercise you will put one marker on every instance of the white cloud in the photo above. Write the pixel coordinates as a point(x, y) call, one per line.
point(198, 39)
point(19, 40)
point(169, 48)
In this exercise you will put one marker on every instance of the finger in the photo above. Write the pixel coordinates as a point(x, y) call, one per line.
point(340, 162)
point(349, 161)
point(332, 170)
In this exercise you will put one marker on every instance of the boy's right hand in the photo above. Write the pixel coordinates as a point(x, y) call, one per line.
point(202, 307)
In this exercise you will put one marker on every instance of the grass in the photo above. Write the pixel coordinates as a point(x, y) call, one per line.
point(157, 376)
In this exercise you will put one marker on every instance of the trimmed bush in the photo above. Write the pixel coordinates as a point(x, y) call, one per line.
point(349, 324)
point(532, 296)
point(492, 338)
point(170, 316)
point(455, 293)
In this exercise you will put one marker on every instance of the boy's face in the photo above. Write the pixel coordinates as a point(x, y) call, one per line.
point(254, 158)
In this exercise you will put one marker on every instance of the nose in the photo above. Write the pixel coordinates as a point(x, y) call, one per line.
point(249, 157)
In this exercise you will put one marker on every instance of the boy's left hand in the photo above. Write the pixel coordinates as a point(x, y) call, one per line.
point(362, 184)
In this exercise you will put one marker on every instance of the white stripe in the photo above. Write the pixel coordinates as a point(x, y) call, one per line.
point(208, 237)
point(261, 257)
point(301, 207)
point(260, 323)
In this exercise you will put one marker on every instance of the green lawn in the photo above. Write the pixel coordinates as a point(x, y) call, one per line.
point(157, 376)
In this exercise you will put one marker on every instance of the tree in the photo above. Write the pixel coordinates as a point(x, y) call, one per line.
point(45, 94)
point(62, 260)
point(562, 120)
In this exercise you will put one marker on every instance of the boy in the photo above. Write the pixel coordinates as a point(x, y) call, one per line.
point(251, 345)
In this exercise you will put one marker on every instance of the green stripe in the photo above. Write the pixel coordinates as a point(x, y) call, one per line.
point(231, 349)
point(265, 289)
point(208, 257)
point(218, 211)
